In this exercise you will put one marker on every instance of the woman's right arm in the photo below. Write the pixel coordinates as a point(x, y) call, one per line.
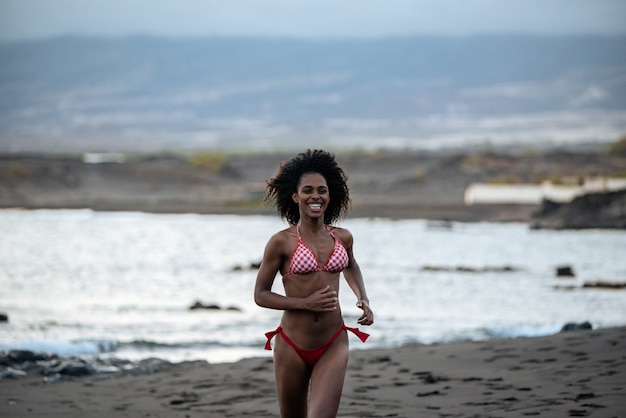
point(272, 259)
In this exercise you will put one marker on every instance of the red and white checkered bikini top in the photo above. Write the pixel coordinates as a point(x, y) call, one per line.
point(303, 259)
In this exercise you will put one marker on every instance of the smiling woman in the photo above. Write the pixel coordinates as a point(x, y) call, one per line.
point(311, 351)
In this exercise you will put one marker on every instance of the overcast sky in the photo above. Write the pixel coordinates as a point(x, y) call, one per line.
point(28, 19)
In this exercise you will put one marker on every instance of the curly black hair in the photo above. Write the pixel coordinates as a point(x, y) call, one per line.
point(284, 184)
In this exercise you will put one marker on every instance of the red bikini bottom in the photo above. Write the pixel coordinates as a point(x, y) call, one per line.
point(311, 357)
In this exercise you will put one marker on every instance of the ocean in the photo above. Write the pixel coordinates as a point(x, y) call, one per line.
point(120, 284)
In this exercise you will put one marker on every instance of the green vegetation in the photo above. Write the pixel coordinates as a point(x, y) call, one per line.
point(252, 205)
point(471, 162)
point(505, 178)
point(15, 169)
point(541, 177)
point(618, 147)
point(212, 161)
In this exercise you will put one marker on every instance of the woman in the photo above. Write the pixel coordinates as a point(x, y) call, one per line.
point(311, 346)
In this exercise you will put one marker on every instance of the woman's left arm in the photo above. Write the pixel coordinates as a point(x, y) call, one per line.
point(355, 280)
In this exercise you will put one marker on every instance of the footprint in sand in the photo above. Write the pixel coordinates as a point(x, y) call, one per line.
point(433, 393)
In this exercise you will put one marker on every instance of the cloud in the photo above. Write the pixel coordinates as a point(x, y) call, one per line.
point(23, 19)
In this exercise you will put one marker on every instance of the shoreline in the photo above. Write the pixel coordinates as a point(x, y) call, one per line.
point(475, 213)
point(573, 373)
point(410, 185)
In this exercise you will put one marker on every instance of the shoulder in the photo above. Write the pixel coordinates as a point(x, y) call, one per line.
point(342, 234)
point(282, 238)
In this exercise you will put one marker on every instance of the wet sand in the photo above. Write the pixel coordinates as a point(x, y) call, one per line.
point(570, 374)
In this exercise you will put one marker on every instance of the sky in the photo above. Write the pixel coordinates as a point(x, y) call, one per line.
point(38, 19)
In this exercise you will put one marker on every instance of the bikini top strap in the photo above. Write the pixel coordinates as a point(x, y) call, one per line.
point(298, 232)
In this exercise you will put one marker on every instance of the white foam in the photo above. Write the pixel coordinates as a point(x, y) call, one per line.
point(59, 347)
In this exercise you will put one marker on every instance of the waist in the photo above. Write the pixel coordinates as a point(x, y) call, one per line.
point(300, 286)
point(311, 323)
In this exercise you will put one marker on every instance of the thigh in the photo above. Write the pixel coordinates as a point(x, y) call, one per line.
point(292, 380)
point(327, 379)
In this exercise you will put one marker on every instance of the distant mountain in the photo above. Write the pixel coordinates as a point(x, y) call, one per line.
point(151, 93)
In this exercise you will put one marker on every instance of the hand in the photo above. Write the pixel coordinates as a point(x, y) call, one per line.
point(368, 316)
point(324, 300)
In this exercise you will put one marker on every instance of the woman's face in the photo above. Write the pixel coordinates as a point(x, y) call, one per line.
point(312, 196)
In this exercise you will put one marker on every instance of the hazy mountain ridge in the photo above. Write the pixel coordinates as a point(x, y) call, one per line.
point(163, 93)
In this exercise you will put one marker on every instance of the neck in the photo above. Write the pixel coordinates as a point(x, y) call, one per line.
point(312, 224)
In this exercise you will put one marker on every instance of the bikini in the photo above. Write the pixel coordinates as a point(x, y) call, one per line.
point(304, 261)
point(311, 357)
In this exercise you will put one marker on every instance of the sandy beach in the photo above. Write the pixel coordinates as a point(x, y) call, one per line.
point(570, 374)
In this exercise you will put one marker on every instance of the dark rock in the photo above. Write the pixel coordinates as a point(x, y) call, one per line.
point(74, 368)
point(572, 326)
point(592, 210)
point(200, 305)
point(211, 307)
point(564, 271)
point(466, 269)
point(604, 285)
point(251, 266)
point(4, 317)
point(11, 373)
point(22, 356)
point(149, 366)
point(20, 363)
point(435, 268)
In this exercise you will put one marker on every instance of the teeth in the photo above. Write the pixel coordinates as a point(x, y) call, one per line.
point(315, 205)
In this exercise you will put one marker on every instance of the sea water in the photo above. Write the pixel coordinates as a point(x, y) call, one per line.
point(120, 284)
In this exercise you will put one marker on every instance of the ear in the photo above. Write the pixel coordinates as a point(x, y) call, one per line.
point(295, 197)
